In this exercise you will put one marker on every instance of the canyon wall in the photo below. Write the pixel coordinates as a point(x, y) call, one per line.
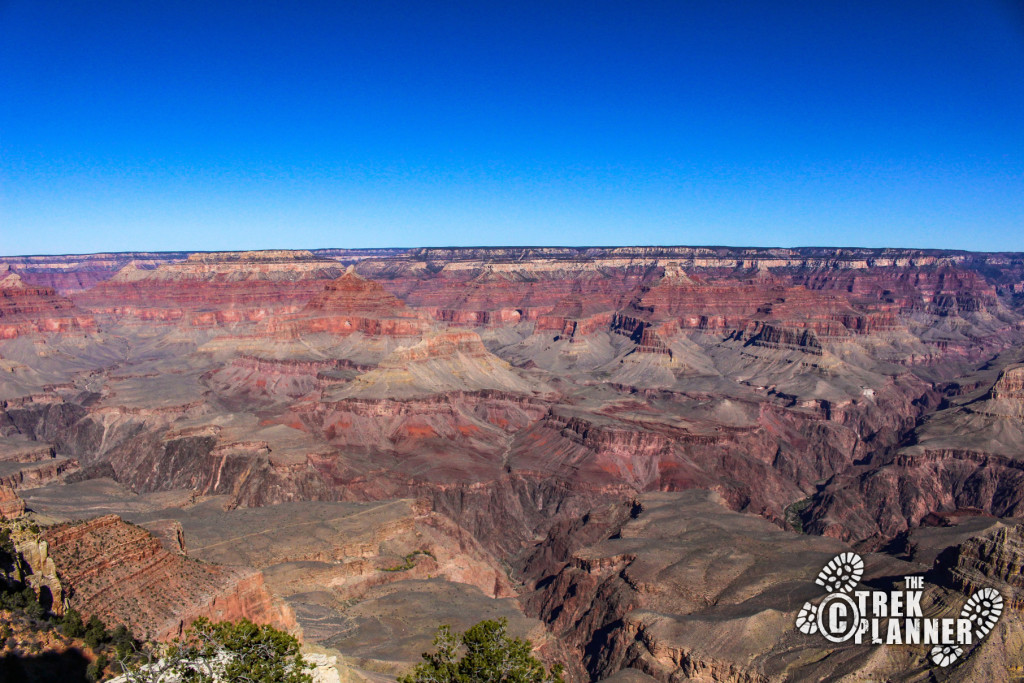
point(534, 400)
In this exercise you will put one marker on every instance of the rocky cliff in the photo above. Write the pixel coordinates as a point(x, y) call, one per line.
point(209, 290)
point(528, 397)
point(354, 304)
point(964, 457)
point(122, 574)
point(994, 559)
point(26, 309)
point(10, 504)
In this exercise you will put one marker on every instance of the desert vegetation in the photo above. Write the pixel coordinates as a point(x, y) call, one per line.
point(219, 652)
point(484, 653)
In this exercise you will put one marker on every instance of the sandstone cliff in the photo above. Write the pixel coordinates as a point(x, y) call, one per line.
point(27, 309)
point(10, 504)
point(122, 574)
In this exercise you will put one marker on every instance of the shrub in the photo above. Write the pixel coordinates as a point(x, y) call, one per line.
point(71, 624)
point(8, 555)
point(95, 670)
point(19, 597)
point(489, 656)
point(124, 642)
point(223, 651)
point(95, 633)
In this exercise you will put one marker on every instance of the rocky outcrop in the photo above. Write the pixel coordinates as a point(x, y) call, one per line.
point(1010, 384)
point(354, 304)
point(874, 503)
point(26, 476)
point(964, 457)
point(28, 309)
point(680, 588)
point(122, 574)
point(10, 504)
point(170, 533)
point(212, 290)
point(576, 315)
point(254, 379)
point(26, 562)
point(1006, 398)
point(41, 572)
point(643, 333)
point(44, 419)
point(992, 560)
point(777, 337)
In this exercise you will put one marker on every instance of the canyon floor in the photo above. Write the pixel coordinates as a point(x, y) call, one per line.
point(639, 456)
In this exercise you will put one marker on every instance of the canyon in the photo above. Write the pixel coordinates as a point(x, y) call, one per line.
point(639, 456)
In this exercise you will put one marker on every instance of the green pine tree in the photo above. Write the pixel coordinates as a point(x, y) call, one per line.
point(489, 655)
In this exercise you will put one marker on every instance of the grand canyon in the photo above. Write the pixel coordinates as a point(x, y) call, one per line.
point(641, 457)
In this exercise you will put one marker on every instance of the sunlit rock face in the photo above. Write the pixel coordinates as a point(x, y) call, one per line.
point(209, 290)
point(504, 416)
point(122, 574)
point(27, 309)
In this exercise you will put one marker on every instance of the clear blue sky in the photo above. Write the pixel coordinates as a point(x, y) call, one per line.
point(216, 125)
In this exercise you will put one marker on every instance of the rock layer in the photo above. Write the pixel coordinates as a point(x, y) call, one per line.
point(10, 504)
point(547, 408)
point(123, 575)
point(27, 309)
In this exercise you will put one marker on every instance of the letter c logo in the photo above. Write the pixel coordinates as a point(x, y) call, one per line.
point(838, 617)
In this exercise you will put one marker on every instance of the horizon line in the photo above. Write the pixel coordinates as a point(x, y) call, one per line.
point(526, 247)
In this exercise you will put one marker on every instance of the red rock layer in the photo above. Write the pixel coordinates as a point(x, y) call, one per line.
point(505, 294)
point(729, 304)
point(575, 315)
point(26, 309)
point(212, 289)
point(835, 294)
point(10, 504)
point(121, 573)
point(354, 304)
point(942, 289)
point(351, 293)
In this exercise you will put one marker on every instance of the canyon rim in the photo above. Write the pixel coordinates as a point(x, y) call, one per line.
point(641, 457)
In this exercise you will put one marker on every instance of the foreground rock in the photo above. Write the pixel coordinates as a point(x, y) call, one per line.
point(122, 574)
point(10, 504)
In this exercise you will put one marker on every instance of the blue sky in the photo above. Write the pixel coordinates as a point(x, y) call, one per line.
point(206, 125)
